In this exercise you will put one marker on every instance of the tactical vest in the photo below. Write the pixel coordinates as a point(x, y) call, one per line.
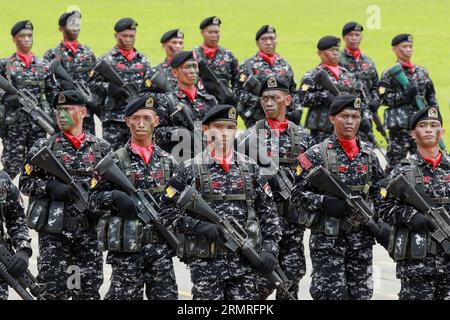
point(115, 234)
point(3, 196)
point(221, 73)
point(405, 243)
point(44, 214)
point(192, 246)
point(329, 225)
point(68, 65)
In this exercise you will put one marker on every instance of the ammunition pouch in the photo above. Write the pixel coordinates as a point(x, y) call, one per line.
point(121, 235)
point(407, 244)
point(398, 117)
point(193, 246)
point(317, 119)
point(288, 210)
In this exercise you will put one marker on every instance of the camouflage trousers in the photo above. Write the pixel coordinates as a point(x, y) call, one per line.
point(338, 272)
point(400, 143)
point(319, 136)
point(425, 287)
point(70, 266)
point(132, 271)
point(3, 290)
point(291, 258)
point(237, 288)
point(116, 133)
point(18, 140)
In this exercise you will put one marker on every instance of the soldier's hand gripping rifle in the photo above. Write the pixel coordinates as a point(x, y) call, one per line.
point(397, 73)
point(30, 106)
point(142, 199)
point(235, 236)
point(405, 192)
point(26, 284)
point(47, 161)
point(92, 100)
point(360, 213)
point(107, 71)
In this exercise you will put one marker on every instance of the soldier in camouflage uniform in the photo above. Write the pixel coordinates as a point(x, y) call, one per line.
point(69, 262)
point(366, 77)
point(26, 72)
point(133, 67)
point(317, 98)
point(12, 215)
point(401, 102)
point(221, 60)
point(283, 141)
point(422, 264)
point(341, 254)
point(234, 187)
point(76, 58)
point(187, 101)
point(148, 260)
point(265, 62)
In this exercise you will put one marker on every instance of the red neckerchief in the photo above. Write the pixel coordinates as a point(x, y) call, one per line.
point(190, 93)
point(224, 163)
point(278, 126)
point(144, 152)
point(434, 162)
point(26, 58)
point(75, 141)
point(333, 69)
point(356, 53)
point(269, 59)
point(129, 55)
point(408, 66)
point(350, 147)
point(209, 52)
point(71, 45)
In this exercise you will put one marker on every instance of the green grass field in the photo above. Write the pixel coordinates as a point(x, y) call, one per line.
point(299, 24)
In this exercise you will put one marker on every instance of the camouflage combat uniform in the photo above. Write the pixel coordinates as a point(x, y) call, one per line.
point(78, 65)
point(169, 130)
point(313, 96)
point(257, 66)
point(366, 84)
point(21, 133)
point(341, 255)
point(115, 131)
point(426, 277)
point(397, 116)
point(150, 263)
point(12, 215)
point(217, 273)
point(67, 239)
point(286, 147)
point(167, 70)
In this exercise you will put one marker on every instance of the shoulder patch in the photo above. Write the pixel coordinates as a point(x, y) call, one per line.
point(267, 189)
point(28, 168)
point(171, 192)
point(304, 161)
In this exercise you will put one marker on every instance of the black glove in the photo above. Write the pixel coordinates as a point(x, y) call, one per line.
point(116, 92)
point(383, 235)
point(295, 116)
point(334, 207)
point(411, 91)
point(268, 262)
point(329, 98)
point(11, 100)
point(60, 191)
point(19, 262)
point(209, 231)
point(420, 223)
point(374, 105)
point(67, 85)
point(125, 206)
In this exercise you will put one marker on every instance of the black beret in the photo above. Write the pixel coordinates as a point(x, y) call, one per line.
point(124, 24)
point(65, 16)
point(404, 37)
point(220, 112)
point(174, 33)
point(265, 29)
point(72, 97)
point(344, 101)
point(24, 24)
point(181, 57)
point(272, 82)
point(328, 42)
point(351, 26)
point(424, 114)
point(145, 101)
point(209, 21)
